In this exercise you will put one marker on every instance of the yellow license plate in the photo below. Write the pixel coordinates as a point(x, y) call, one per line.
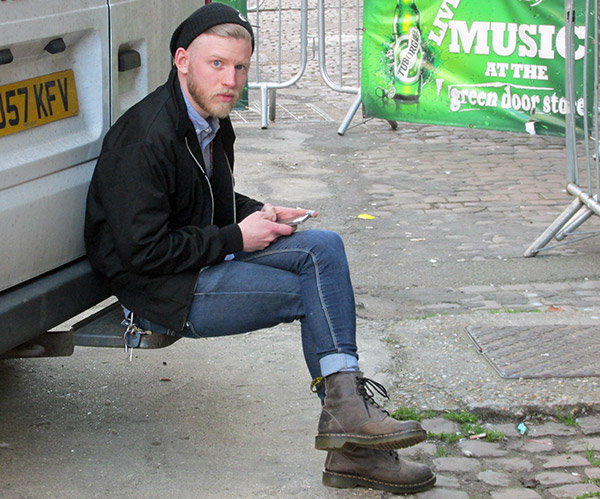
point(37, 101)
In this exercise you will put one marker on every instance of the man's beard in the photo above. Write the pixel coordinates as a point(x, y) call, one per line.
point(207, 101)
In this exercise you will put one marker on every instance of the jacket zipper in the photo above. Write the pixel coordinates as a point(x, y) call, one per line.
point(232, 189)
point(212, 202)
point(212, 197)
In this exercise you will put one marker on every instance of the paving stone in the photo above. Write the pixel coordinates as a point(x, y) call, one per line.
point(593, 472)
point(493, 304)
point(509, 430)
point(589, 424)
point(439, 425)
point(494, 478)
point(556, 478)
point(514, 444)
point(588, 284)
point(582, 444)
point(447, 481)
point(553, 286)
point(515, 287)
point(566, 461)
point(574, 490)
point(476, 289)
point(457, 464)
point(440, 493)
point(477, 448)
point(551, 428)
point(516, 494)
point(423, 449)
point(509, 464)
point(536, 446)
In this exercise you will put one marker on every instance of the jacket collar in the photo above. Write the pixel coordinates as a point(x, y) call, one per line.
point(184, 125)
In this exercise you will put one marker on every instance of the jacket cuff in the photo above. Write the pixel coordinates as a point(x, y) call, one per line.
point(233, 238)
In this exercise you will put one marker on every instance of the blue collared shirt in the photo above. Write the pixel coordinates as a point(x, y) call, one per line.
point(205, 130)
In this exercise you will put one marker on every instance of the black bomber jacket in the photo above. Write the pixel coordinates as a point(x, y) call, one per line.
point(153, 218)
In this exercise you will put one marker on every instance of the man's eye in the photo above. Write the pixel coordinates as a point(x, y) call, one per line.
point(216, 64)
point(240, 67)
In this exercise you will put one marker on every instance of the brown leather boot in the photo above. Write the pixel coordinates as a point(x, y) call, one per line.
point(376, 469)
point(351, 418)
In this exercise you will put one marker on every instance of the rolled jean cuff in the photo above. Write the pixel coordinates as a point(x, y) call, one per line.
point(337, 362)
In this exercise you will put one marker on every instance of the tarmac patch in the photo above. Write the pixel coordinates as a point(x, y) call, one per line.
point(558, 351)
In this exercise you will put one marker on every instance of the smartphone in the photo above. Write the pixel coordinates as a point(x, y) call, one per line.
point(298, 220)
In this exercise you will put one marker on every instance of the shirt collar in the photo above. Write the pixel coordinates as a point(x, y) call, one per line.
point(206, 129)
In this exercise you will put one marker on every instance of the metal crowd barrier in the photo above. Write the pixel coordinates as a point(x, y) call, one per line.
point(267, 16)
point(585, 187)
point(268, 88)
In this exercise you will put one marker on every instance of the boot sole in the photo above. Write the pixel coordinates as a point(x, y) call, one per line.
point(349, 481)
point(339, 441)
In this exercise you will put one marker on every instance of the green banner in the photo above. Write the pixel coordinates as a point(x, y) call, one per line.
point(495, 64)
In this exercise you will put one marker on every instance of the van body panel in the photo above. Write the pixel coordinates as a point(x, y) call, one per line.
point(129, 32)
point(45, 170)
point(95, 58)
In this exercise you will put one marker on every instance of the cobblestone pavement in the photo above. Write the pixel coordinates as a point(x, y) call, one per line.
point(453, 212)
point(444, 252)
point(547, 461)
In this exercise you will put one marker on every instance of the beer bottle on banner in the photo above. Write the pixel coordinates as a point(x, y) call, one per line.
point(408, 54)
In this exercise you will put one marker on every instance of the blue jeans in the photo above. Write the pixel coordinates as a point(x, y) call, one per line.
point(302, 277)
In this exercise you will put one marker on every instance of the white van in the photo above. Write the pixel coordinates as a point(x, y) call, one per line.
point(68, 69)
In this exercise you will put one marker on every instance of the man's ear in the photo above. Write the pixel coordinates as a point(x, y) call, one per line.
point(182, 60)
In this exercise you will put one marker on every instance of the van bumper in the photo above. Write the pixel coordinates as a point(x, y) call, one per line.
point(30, 309)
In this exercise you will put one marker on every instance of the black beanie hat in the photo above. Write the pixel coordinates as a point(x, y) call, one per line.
point(203, 19)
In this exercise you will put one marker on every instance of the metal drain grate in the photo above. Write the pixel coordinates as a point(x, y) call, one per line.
point(560, 351)
point(294, 112)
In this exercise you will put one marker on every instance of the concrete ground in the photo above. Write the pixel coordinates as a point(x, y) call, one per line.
point(454, 211)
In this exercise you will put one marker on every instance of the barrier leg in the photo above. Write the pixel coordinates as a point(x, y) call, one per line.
point(551, 231)
point(350, 115)
point(272, 104)
point(264, 107)
point(582, 215)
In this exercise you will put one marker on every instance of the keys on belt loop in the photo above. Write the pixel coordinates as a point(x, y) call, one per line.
point(132, 337)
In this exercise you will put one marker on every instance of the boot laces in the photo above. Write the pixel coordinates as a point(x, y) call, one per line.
point(367, 388)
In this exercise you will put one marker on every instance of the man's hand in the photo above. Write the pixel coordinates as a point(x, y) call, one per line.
point(270, 212)
point(276, 213)
point(259, 229)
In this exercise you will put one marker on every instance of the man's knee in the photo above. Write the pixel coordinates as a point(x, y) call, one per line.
point(328, 248)
point(325, 240)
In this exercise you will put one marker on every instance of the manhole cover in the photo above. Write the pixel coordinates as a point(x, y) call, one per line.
point(562, 351)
